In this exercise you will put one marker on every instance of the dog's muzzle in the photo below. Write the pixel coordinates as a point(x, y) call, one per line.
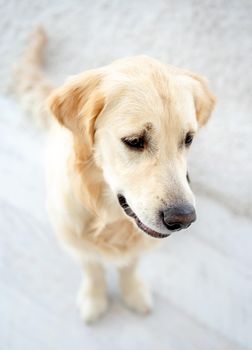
point(173, 218)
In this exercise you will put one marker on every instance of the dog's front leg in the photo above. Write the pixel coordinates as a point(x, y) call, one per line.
point(135, 292)
point(92, 297)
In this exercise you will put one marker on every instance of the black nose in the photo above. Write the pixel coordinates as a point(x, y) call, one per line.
point(177, 218)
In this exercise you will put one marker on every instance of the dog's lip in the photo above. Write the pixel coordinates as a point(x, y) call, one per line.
point(123, 203)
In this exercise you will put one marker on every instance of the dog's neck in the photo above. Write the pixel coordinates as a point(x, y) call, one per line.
point(90, 186)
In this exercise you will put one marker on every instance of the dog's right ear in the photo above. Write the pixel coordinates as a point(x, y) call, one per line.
point(204, 99)
point(78, 102)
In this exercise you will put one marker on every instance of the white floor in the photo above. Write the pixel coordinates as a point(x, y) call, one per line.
point(201, 279)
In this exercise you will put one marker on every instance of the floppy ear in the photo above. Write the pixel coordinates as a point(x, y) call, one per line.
point(76, 105)
point(203, 98)
point(78, 102)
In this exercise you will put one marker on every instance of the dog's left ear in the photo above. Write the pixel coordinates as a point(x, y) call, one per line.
point(78, 102)
point(76, 106)
point(203, 98)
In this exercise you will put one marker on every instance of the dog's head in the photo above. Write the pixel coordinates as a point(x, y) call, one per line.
point(136, 119)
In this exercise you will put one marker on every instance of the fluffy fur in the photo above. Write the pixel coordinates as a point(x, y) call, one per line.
point(88, 165)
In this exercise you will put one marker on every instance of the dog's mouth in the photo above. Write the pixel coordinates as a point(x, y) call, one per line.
point(127, 209)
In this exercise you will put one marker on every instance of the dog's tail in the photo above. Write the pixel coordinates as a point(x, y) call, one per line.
point(29, 83)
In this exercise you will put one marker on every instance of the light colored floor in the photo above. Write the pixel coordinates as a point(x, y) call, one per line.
point(201, 279)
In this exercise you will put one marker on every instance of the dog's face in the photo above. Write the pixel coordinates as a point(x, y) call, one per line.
point(140, 118)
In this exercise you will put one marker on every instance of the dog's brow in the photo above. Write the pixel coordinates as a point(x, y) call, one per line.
point(147, 127)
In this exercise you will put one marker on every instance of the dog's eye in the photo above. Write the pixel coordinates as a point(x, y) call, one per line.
point(136, 143)
point(188, 139)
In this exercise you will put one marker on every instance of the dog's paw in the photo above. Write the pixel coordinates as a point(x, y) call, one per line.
point(91, 307)
point(137, 297)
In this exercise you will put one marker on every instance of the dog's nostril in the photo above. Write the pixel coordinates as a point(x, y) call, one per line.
point(174, 227)
point(180, 217)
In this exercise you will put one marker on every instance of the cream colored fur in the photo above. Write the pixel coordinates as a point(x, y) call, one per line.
point(88, 164)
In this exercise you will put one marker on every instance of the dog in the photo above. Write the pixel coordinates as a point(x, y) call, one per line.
point(117, 180)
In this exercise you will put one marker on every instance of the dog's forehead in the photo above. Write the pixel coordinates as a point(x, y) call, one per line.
point(152, 96)
point(149, 109)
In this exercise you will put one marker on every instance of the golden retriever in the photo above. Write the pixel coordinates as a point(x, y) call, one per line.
point(117, 180)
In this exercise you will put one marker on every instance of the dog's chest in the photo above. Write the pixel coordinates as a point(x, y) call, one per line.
point(119, 240)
